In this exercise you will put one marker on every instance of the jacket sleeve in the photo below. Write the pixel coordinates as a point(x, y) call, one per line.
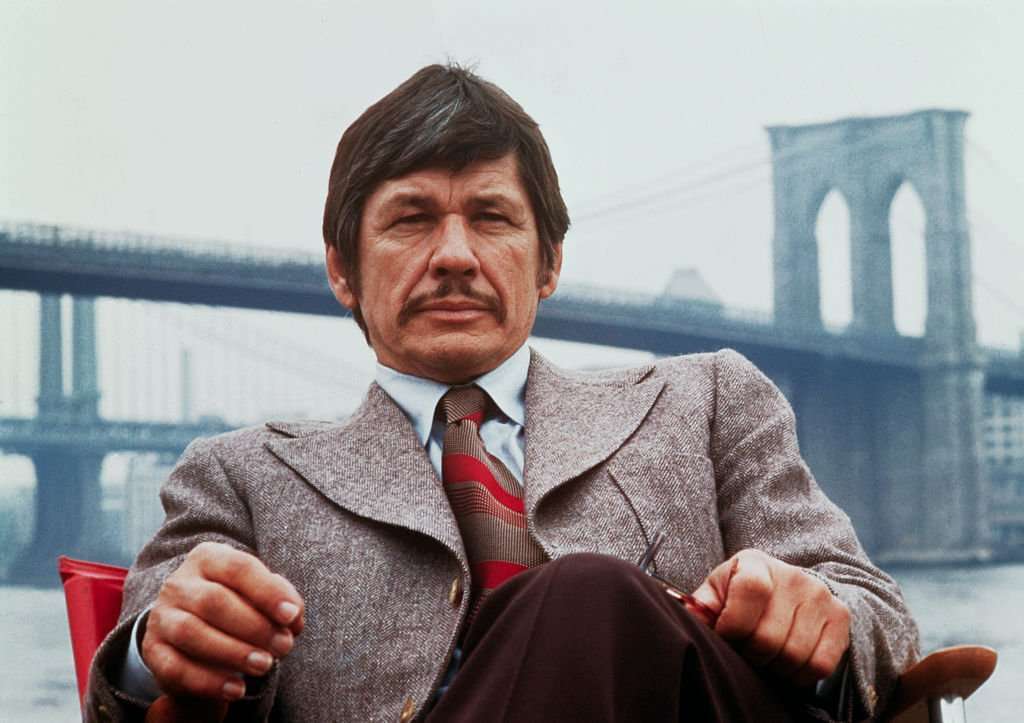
point(201, 504)
point(768, 500)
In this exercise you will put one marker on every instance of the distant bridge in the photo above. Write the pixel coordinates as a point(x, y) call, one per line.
point(82, 262)
point(890, 424)
point(46, 435)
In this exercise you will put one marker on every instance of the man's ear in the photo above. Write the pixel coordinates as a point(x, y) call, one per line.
point(549, 278)
point(337, 277)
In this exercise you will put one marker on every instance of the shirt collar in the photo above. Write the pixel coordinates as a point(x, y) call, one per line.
point(418, 397)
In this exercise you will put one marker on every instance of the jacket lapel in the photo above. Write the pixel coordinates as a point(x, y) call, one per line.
point(374, 466)
point(576, 421)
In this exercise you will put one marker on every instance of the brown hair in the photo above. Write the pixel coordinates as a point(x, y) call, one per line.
point(443, 116)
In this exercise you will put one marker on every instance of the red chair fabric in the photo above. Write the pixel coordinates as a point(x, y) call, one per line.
point(92, 592)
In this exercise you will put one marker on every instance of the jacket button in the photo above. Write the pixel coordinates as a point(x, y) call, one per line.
point(455, 593)
point(408, 711)
point(872, 696)
point(104, 712)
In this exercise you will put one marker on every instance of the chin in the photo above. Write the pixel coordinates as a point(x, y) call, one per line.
point(463, 359)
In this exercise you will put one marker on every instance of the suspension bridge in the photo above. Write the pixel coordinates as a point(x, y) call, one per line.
point(891, 424)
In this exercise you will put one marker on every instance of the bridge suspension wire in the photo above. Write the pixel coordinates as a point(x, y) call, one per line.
point(685, 171)
point(919, 232)
point(311, 364)
point(683, 192)
point(999, 296)
point(142, 381)
point(978, 150)
point(983, 283)
point(303, 359)
point(676, 194)
point(991, 230)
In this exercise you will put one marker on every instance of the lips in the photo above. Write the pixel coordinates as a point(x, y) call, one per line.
point(453, 302)
point(449, 305)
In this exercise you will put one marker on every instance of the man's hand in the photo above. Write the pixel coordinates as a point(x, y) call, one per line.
point(221, 613)
point(779, 617)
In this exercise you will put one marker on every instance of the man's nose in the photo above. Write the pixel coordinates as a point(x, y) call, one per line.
point(454, 253)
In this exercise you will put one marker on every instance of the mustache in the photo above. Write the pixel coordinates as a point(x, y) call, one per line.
point(458, 286)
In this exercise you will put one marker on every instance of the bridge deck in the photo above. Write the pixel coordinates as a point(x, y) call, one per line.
point(57, 259)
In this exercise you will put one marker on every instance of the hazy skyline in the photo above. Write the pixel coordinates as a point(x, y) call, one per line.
point(220, 120)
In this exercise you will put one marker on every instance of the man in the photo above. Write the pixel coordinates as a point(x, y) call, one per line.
point(464, 546)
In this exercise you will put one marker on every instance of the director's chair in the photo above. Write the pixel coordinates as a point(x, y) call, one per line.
point(932, 691)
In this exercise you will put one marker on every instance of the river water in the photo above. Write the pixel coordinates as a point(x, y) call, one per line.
point(953, 605)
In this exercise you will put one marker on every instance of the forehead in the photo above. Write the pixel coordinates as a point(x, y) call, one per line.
point(497, 178)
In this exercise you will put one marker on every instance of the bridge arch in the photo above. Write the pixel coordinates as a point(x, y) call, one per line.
point(907, 222)
point(869, 160)
point(832, 233)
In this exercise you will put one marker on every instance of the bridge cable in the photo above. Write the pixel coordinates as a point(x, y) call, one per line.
point(979, 150)
point(805, 158)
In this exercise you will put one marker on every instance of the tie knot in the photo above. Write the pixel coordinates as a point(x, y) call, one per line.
point(461, 403)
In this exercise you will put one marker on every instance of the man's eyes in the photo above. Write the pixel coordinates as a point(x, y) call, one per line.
point(414, 219)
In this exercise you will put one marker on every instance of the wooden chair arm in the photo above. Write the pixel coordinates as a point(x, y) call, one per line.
point(947, 673)
point(168, 709)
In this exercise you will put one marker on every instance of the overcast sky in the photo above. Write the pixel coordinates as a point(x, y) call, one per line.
point(219, 119)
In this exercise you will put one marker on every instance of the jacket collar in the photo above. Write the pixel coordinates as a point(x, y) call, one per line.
point(375, 465)
point(575, 421)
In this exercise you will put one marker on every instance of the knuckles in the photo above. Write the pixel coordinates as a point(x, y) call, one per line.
point(175, 627)
point(750, 587)
point(208, 549)
point(841, 614)
point(809, 599)
point(176, 587)
point(209, 603)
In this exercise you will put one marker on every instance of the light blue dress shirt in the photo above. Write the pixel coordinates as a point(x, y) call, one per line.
point(503, 433)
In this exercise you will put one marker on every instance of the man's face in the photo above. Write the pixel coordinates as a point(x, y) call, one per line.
point(450, 270)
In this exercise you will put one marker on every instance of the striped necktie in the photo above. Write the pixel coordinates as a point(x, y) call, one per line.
point(485, 496)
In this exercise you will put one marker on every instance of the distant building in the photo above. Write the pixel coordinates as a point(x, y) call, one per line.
point(1003, 439)
point(689, 285)
point(17, 511)
point(1003, 422)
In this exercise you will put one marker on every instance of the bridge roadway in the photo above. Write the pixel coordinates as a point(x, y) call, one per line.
point(49, 434)
point(60, 259)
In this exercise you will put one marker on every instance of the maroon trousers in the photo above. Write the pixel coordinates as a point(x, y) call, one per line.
point(591, 638)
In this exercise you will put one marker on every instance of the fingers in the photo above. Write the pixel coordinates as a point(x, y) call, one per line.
point(828, 653)
point(778, 617)
point(271, 594)
point(775, 632)
point(713, 590)
point(750, 589)
point(796, 647)
point(224, 610)
point(221, 614)
point(180, 675)
point(206, 644)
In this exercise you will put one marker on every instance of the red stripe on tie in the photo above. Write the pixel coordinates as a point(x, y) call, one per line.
point(476, 417)
point(457, 467)
point(488, 574)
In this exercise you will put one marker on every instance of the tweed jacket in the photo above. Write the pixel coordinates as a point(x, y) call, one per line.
point(354, 515)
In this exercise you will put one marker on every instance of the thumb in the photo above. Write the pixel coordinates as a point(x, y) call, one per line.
point(715, 588)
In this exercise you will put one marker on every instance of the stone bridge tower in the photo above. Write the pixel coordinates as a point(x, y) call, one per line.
point(927, 483)
point(68, 493)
